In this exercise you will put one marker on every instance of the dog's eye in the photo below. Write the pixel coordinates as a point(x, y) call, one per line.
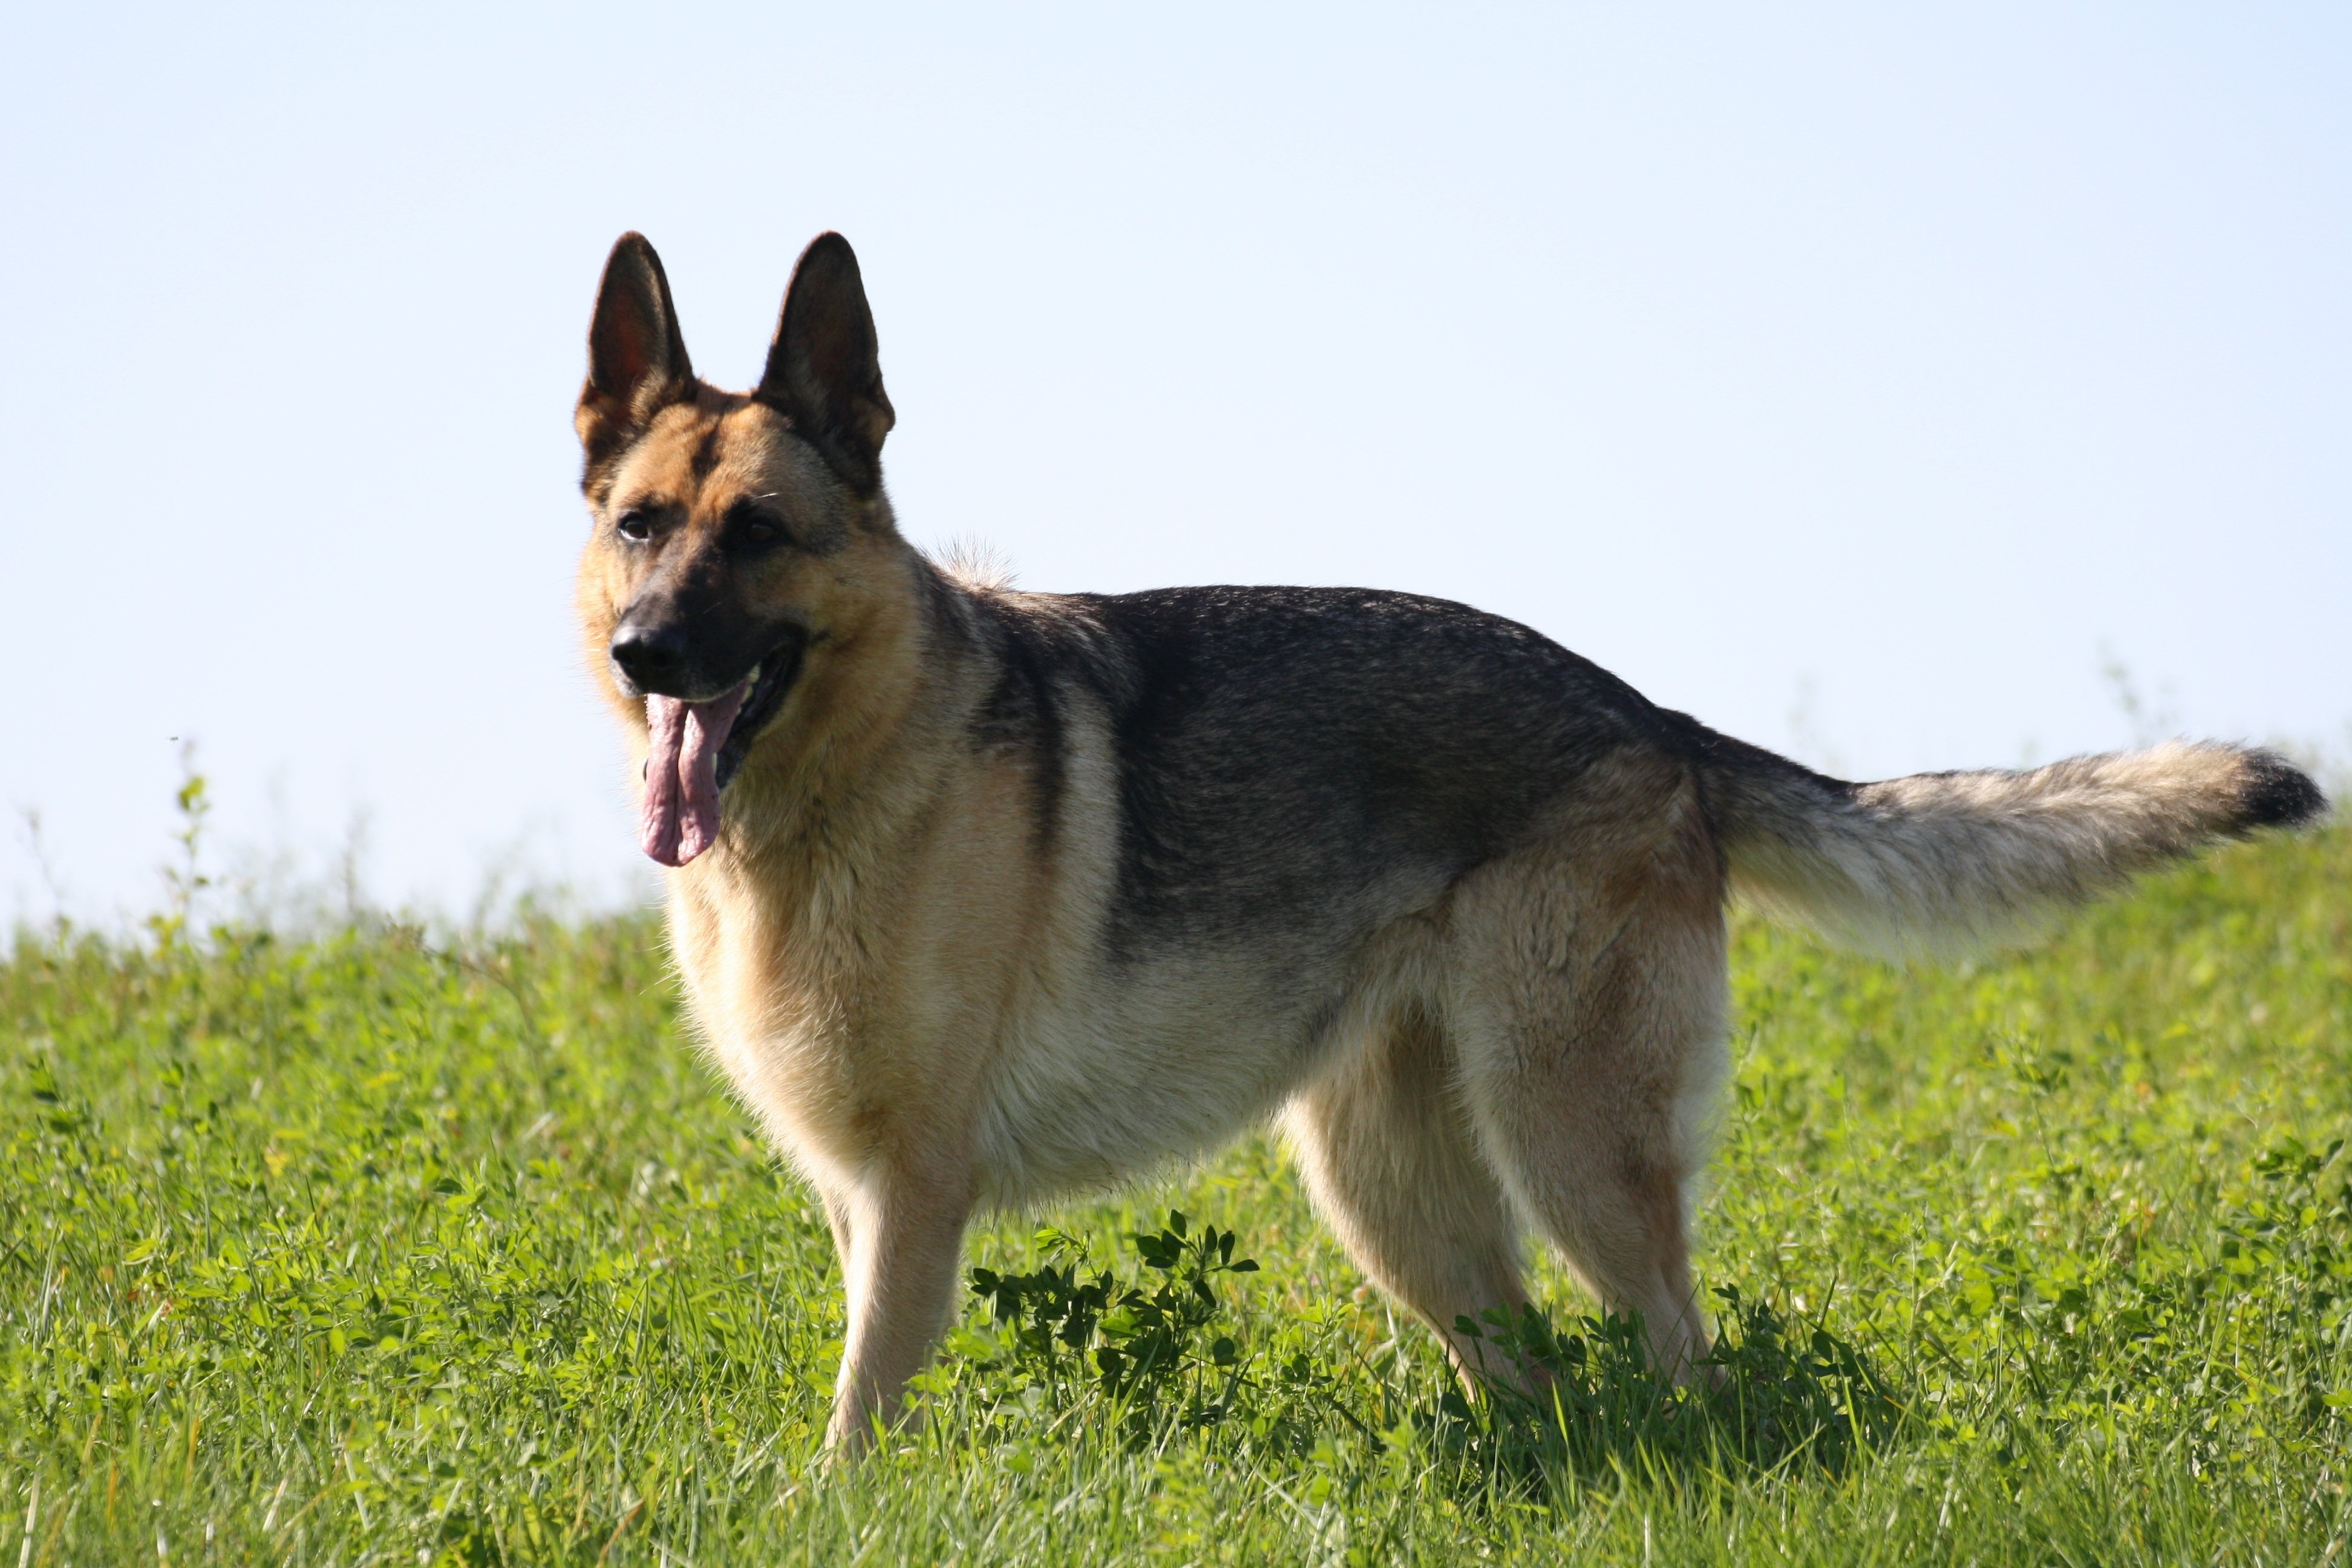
point(635, 525)
point(754, 525)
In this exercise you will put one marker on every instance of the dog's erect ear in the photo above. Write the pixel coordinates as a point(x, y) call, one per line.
point(636, 355)
point(823, 370)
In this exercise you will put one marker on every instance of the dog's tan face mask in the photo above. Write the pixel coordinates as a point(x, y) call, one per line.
point(715, 512)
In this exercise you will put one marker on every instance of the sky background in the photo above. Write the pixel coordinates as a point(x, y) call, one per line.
point(1864, 380)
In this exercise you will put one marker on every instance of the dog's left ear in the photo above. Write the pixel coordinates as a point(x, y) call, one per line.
point(824, 371)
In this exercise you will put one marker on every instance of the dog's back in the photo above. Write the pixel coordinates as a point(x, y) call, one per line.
point(1293, 762)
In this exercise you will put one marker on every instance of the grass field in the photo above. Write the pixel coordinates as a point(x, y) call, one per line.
point(371, 1249)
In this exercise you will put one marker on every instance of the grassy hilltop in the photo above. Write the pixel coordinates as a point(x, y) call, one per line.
point(370, 1249)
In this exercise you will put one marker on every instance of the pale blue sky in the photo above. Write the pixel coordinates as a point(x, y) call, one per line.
point(1856, 378)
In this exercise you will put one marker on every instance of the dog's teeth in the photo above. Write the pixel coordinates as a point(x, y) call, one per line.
point(752, 679)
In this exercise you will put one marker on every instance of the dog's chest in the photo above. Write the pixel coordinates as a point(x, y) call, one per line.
point(781, 1005)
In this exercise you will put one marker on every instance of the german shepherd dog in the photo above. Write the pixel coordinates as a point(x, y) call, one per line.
point(982, 896)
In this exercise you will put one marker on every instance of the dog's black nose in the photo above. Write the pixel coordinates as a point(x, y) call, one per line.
point(653, 657)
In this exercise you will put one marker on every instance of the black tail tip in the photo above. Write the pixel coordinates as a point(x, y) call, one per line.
point(2277, 794)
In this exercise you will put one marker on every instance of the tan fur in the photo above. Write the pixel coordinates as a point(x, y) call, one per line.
point(1547, 1058)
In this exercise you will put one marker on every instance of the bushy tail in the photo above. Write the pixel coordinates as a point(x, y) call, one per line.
point(1945, 863)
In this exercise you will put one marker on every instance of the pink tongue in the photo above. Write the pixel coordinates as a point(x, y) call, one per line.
point(679, 818)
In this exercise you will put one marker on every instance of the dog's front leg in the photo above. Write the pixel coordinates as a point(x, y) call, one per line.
point(904, 1236)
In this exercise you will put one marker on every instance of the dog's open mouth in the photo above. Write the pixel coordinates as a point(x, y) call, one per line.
point(696, 747)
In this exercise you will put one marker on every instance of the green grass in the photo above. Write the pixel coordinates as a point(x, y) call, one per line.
point(369, 1249)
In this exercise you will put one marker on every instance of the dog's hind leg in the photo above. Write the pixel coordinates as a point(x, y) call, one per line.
point(1395, 1167)
point(1588, 999)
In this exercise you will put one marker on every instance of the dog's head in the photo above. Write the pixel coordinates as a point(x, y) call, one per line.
point(736, 535)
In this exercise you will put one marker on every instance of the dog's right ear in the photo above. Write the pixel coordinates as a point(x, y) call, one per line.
point(636, 355)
